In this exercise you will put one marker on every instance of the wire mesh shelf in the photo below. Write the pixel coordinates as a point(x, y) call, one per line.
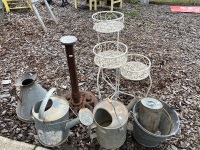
point(110, 54)
point(108, 16)
point(108, 26)
point(108, 21)
point(136, 68)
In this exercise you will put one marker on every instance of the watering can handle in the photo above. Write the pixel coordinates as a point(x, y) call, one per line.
point(44, 103)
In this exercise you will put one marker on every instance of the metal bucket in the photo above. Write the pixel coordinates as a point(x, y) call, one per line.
point(110, 120)
point(167, 127)
point(1, 11)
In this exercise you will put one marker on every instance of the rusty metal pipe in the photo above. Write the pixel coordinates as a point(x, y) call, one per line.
point(69, 41)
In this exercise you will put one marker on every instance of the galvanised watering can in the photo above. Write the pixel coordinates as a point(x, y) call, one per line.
point(110, 123)
point(30, 93)
point(51, 117)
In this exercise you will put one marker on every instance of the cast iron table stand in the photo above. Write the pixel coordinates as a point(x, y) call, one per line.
point(77, 99)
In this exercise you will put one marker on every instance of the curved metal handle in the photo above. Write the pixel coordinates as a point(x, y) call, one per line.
point(134, 115)
point(44, 103)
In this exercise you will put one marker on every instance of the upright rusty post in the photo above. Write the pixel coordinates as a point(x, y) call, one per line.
point(69, 41)
point(76, 98)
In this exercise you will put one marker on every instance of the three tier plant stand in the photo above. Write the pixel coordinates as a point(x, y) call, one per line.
point(114, 54)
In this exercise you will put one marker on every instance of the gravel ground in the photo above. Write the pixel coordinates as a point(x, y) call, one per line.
point(170, 40)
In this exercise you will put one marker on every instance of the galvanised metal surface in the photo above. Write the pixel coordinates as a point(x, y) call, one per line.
point(150, 111)
point(169, 126)
point(76, 98)
point(30, 93)
point(51, 117)
point(110, 118)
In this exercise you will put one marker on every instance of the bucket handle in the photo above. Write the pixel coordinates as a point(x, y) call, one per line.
point(170, 119)
point(44, 103)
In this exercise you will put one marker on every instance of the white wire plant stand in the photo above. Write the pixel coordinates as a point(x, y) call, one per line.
point(137, 68)
point(109, 55)
point(106, 22)
point(114, 54)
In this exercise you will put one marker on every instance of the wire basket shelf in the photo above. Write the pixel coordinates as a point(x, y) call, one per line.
point(108, 16)
point(108, 26)
point(110, 54)
point(108, 21)
point(136, 68)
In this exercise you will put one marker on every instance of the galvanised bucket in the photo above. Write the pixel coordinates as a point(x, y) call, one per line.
point(30, 93)
point(110, 122)
point(169, 126)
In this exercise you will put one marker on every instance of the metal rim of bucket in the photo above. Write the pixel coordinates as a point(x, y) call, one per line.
point(163, 136)
point(121, 125)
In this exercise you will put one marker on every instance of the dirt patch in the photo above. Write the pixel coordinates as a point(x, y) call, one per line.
point(170, 40)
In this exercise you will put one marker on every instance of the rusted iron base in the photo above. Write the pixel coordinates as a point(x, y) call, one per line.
point(87, 100)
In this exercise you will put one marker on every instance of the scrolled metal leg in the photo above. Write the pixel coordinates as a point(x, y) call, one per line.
point(117, 83)
point(98, 88)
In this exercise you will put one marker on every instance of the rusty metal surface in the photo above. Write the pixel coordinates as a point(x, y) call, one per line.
point(72, 72)
point(87, 100)
point(77, 99)
point(68, 41)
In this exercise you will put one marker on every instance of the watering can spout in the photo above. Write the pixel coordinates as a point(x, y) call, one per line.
point(72, 123)
point(131, 104)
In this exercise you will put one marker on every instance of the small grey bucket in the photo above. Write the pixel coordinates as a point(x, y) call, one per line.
point(168, 127)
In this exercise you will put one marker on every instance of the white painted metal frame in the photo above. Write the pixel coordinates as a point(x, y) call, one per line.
point(106, 56)
point(137, 68)
point(108, 16)
point(110, 55)
point(106, 22)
